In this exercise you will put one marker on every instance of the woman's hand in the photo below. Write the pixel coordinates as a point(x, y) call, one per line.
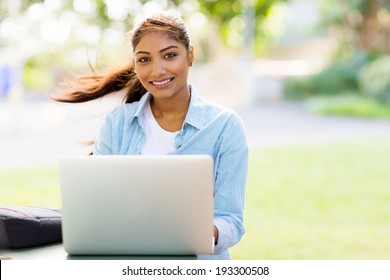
point(215, 235)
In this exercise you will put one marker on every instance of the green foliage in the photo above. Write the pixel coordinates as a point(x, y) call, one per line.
point(348, 104)
point(298, 88)
point(351, 87)
point(226, 13)
point(38, 78)
point(374, 79)
point(354, 23)
point(334, 11)
point(340, 76)
point(39, 73)
point(358, 22)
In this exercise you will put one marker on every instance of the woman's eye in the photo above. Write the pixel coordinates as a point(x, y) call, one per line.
point(143, 60)
point(169, 55)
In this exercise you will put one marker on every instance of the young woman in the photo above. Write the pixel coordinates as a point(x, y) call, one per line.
point(163, 114)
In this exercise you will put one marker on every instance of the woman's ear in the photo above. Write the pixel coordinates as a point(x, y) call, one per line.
point(191, 56)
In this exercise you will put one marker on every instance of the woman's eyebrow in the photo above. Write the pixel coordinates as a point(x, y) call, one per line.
point(160, 51)
point(167, 48)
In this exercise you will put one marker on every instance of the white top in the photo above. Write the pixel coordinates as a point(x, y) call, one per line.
point(158, 140)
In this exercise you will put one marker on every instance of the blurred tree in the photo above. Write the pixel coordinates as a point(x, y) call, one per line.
point(235, 18)
point(364, 24)
point(68, 31)
point(360, 65)
point(243, 22)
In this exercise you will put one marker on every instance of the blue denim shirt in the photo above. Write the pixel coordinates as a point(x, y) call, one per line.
point(207, 129)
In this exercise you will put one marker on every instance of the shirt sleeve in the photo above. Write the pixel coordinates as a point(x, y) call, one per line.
point(103, 143)
point(230, 183)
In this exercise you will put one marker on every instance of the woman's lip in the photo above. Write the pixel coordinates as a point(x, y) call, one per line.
point(162, 83)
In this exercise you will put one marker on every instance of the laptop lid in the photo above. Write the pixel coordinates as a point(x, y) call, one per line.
point(137, 205)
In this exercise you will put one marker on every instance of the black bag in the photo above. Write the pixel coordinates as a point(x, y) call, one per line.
point(26, 226)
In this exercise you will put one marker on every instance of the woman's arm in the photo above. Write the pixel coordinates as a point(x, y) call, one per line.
point(230, 182)
point(103, 143)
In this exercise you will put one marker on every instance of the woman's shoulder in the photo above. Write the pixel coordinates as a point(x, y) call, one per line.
point(212, 108)
point(123, 109)
point(220, 111)
point(129, 110)
point(215, 116)
point(123, 113)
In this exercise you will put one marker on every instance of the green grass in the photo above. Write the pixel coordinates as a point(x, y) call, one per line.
point(318, 202)
point(328, 201)
point(36, 186)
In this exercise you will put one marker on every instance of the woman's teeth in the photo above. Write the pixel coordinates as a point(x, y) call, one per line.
point(161, 83)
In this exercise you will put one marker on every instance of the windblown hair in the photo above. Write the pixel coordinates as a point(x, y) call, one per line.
point(96, 85)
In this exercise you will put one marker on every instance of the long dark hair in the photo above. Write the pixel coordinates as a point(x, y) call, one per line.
point(96, 85)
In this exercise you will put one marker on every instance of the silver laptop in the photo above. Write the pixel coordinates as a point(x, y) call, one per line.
point(137, 205)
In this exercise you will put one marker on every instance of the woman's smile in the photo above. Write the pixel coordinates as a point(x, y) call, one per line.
point(162, 83)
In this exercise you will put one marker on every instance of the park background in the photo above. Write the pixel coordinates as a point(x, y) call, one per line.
point(310, 79)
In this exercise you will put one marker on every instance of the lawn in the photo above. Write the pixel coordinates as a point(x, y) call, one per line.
point(318, 202)
point(328, 201)
point(35, 186)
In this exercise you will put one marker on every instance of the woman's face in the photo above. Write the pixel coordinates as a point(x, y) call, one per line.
point(161, 64)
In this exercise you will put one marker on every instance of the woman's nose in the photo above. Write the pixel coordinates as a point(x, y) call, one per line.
point(158, 68)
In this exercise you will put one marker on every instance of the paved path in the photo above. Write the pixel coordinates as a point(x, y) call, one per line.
point(280, 124)
point(47, 130)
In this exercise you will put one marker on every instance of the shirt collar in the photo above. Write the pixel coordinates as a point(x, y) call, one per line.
point(195, 115)
point(141, 105)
